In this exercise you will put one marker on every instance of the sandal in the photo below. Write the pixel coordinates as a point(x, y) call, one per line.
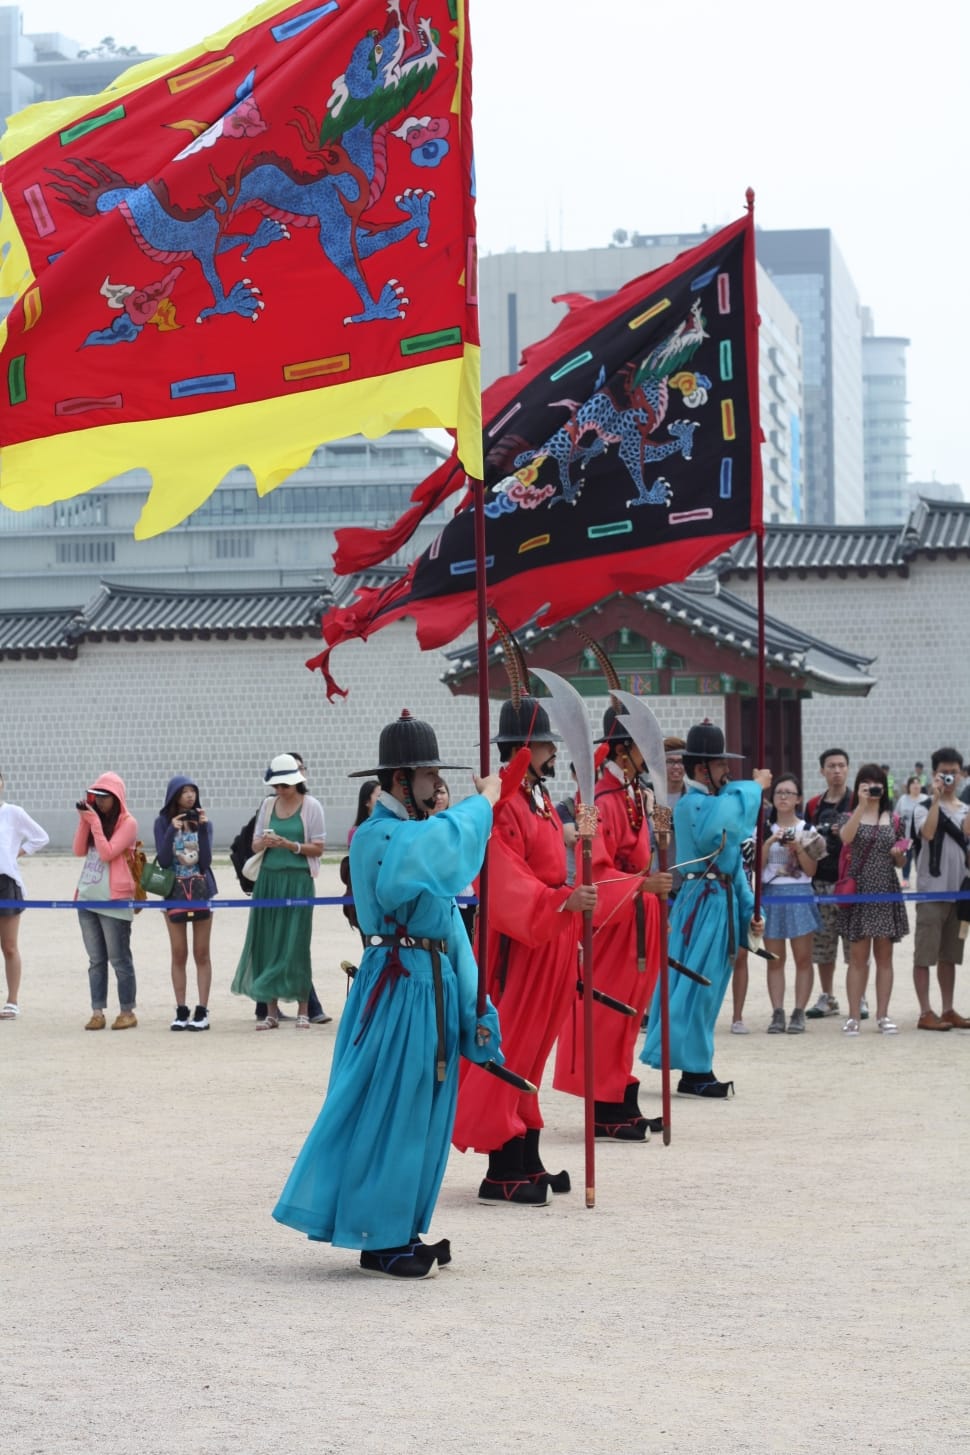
point(303, 1023)
point(269, 1024)
point(10, 1011)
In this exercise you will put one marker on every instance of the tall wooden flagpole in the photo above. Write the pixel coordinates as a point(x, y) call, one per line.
point(481, 601)
point(760, 745)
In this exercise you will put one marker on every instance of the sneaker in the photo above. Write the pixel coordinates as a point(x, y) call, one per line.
point(321, 1019)
point(125, 1020)
point(200, 1021)
point(851, 1027)
point(738, 1028)
point(825, 1005)
point(180, 1022)
point(887, 1026)
point(796, 1024)
point(863, 1010)
point(777, 1026)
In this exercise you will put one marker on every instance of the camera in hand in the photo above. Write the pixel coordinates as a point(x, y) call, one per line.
point(82, 805)
point(788, 837)
point(191, 822)
point(948, 779)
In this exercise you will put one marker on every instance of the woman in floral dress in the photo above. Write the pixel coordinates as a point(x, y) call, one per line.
point(872, 830)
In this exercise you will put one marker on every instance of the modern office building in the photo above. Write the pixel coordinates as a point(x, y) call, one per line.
point(809, 270)
point(47, 66)
point(54, 555)
point(885, 426)
point(516, 308)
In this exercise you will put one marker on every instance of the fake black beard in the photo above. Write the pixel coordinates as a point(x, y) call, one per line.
point(548, 768)
point(427, 803)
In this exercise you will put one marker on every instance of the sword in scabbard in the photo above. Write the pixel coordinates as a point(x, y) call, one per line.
point(511, 1078)
point(611, 1003)
point(687, 971)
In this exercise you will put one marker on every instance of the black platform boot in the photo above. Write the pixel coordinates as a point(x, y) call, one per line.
point(704, 1083)
point(534, 1170)
point(612, 1119)
point(631, 1105)
point(507, 1180)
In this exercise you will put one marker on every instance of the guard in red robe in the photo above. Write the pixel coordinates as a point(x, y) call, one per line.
point(534, 930)
point(626, 943)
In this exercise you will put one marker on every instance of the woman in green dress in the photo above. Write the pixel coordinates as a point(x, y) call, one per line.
point(291, 833)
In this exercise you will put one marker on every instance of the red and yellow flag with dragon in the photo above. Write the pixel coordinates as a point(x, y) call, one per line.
point(237, 253)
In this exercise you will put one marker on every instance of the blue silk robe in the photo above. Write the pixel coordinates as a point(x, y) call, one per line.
point(699, 926)
point(371, 1169)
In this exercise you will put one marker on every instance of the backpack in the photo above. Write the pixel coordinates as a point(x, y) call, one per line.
point(240, 850)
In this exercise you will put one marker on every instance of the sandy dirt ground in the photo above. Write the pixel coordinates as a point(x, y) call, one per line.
point(790, 1275)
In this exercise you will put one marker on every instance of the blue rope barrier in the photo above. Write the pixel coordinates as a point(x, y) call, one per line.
point(184, 904)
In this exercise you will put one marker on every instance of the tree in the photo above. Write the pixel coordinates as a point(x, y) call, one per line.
point(108, 47)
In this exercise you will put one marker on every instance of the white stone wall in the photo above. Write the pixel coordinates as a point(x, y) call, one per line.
point(915, 626)
point(219, 710)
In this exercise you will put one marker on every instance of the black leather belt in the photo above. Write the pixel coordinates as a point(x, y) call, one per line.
point(409, 942)
point(394, 969)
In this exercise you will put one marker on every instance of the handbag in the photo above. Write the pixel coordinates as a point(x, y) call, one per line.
point(252, 865)
point(157, 880)
point(849, 883)
point(136, 859)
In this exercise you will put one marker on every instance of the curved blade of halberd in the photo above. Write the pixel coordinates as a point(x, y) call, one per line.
point(568, 714)
point(648, 735)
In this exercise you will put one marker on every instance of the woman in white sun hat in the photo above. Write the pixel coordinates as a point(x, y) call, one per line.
point(290, 834)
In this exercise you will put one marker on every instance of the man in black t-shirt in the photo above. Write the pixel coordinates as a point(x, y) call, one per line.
point(823, 812)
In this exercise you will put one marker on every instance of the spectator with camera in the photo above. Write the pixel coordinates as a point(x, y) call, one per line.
point(183, 843)
point(906, 806)
point(824, 812)
point(104, 839)
point(788, 857)
point(872, 833)
point(942, 822)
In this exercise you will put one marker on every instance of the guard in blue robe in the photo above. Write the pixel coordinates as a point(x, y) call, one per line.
point(370, 1171)
point(711, 916)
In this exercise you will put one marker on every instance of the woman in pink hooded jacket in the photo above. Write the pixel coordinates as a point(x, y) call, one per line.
point(106, 830)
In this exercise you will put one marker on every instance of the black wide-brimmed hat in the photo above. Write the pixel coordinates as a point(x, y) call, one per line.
point(613, 729)
point(407, 743)
point(706, 740)
point(525, 721)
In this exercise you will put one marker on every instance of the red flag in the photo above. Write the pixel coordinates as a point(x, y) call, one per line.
point(237, 253)
point(624, 454)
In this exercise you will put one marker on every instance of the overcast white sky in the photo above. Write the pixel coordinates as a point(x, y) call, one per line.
point(848, 114)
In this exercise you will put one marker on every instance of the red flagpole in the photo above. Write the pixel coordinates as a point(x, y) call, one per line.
point(586, 826)
point(760, 734)
point(662, 818)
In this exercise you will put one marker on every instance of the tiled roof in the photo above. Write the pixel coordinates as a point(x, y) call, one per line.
point(708, 610)
point(50, 633)
point(145, 611)
point(133, 611)
point(932, 526)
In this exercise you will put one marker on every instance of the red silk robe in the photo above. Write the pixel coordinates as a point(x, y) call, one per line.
point(532, 969)
point(620, 852)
